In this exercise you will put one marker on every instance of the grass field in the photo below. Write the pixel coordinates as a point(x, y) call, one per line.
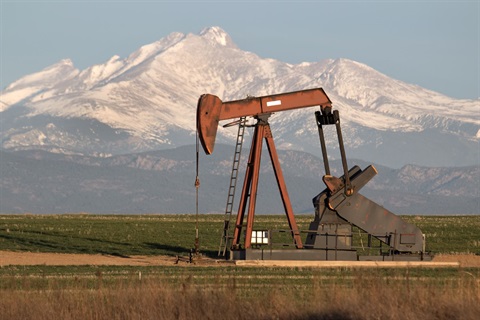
point(195, 291)
point(126, 235)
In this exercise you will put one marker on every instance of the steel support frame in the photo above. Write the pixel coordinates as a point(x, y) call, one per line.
point(326, 117)
point(250, 186)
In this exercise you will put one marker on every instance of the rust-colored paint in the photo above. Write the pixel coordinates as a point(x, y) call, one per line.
point(245, 193)
point(210, 109)
point(287, 205)
point(257, 145)
point(250, 185)
point(208, 114)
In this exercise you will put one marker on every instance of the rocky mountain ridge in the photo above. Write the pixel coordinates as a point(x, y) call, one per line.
point(162, 181)
point(147, 102)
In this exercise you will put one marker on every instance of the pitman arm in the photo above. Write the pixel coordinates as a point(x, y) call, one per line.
point(211, 110)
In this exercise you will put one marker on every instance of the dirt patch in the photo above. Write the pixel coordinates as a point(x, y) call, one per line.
point(64, 259)
point(465, 260)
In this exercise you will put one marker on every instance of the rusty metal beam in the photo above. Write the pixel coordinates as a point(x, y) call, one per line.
point(245, 194)
point(250, 186)
point(254, 184)
point(211, 110)
point(287, 205)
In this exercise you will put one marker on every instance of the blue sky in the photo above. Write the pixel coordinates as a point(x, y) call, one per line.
point(434, 44)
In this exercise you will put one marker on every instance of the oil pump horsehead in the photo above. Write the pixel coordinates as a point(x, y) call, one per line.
point(338, 208)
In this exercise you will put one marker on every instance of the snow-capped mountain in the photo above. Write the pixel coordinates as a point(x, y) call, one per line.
point(147, 101)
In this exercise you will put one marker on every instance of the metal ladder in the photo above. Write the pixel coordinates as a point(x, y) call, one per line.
point(226, 237)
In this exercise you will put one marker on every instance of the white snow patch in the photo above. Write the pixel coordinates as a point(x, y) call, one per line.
point(216, 34)
point(305, 64)
point(41, 138)
point(12, 97)
point(48, 74)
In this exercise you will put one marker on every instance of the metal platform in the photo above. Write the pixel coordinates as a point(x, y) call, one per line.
point(318, 255)
point(346, 264)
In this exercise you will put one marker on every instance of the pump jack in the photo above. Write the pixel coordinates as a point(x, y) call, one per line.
point(337, 208)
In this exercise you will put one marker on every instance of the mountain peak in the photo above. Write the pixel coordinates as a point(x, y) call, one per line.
point(61, 69)
point(30, 85)
point(218, 35)
point(67, 62)
point(148, 101)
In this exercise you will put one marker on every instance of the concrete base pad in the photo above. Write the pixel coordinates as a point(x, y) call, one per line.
point(346, 264)
point(318, 255)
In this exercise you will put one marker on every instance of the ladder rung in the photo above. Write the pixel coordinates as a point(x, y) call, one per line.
point(231, 191)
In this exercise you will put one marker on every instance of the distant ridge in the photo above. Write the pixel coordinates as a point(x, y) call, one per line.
point(163, 182)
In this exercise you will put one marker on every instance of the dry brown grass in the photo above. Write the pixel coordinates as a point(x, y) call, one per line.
point(366, 298)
